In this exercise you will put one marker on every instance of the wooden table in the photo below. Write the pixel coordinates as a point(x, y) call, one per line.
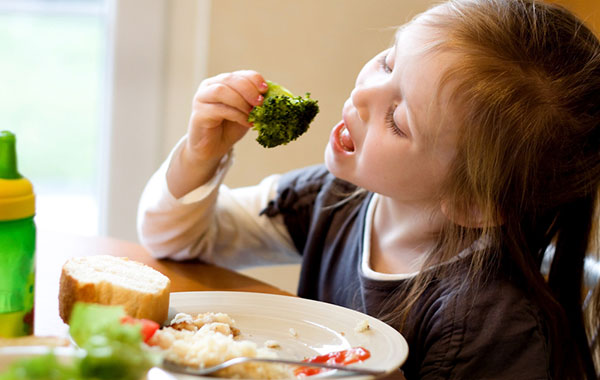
point(53, 249)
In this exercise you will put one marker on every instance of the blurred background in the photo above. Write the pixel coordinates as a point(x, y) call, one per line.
point(99, 91)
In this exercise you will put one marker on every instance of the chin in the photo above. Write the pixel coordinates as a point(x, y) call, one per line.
point(330, 163)
point(335, 167)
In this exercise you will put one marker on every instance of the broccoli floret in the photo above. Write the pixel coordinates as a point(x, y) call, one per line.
point(282, 117)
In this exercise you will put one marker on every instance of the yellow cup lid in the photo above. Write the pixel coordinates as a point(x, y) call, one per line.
point(17, 200)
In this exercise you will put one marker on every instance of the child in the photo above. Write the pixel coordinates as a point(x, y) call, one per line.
point(464, 151)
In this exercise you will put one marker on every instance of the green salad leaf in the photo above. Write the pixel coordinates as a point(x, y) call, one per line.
point(44, 367)
point(113, 350)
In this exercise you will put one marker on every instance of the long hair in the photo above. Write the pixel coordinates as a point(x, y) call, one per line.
point(527, 87)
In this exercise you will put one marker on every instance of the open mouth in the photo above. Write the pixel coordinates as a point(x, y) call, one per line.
point(345, 140)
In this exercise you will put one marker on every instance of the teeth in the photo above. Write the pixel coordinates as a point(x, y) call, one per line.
point(340, 138)
point(345, 140)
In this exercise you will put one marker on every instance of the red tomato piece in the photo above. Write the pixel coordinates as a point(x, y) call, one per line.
point(345, 357)
point(148, 327)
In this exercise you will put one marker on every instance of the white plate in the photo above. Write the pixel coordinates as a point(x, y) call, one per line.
point(302, 327)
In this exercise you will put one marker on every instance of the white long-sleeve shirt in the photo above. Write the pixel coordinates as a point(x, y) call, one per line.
point(213, 223)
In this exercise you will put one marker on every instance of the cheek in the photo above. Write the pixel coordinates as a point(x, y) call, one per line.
point(382, 160)
point(442, 159)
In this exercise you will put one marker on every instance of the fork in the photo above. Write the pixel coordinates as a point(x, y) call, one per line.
point(342, 370)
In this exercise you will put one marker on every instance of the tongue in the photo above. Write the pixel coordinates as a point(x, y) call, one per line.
point(346, 140)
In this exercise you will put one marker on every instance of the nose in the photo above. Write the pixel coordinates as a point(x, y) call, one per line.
point(362, 98)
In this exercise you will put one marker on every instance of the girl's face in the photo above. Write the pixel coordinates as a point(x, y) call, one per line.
point(393, 138)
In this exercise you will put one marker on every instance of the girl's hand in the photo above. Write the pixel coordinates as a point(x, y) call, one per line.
point(220, 113)
point(219, 119)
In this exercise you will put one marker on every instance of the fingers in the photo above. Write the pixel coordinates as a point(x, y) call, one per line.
point(220, 112)
point(241, 90)
point(253, 77)
point(212, 114)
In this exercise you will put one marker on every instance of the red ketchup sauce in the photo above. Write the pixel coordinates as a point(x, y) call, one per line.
point(345, 357)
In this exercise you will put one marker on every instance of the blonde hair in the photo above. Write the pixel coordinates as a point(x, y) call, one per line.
point(527, 88)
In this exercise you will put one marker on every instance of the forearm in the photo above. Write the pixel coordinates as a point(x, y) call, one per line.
point(213, 223)
point(173, 227)
point(186, 173)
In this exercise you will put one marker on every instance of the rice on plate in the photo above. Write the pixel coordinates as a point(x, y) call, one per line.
point(211, 338)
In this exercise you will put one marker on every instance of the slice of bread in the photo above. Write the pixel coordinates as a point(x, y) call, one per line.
point(109, 280)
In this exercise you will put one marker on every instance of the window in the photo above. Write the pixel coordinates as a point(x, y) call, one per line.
point(52, 70)
point(82, 89)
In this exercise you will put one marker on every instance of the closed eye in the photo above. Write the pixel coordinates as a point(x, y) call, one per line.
point(391, 123)
point(383, 62)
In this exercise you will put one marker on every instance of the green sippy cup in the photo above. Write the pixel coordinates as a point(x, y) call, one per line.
point(17, 244)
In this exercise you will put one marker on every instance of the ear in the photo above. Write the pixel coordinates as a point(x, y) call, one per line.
point(471, 218)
